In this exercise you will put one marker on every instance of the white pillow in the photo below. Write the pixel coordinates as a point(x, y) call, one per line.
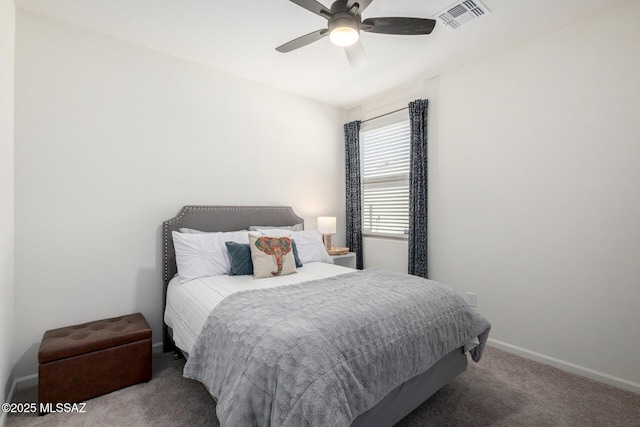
point(204, 254)
point(191, 231)
point(194, 231)
point(308, 243)
point(296, 227)
point(236, 236)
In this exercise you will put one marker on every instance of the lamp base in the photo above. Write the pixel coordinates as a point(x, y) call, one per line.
point(326, 238)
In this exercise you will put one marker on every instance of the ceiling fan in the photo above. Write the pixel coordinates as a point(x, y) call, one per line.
point(345, 24)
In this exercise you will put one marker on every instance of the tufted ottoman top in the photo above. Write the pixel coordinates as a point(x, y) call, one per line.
point(80, 339)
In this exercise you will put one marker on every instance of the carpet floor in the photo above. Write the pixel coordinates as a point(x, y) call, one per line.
point(501, 390)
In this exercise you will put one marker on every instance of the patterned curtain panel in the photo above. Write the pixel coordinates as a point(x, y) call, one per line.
point(418, 189)
point(354, 199)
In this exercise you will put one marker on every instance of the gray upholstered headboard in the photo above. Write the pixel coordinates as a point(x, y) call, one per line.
point(216, 218)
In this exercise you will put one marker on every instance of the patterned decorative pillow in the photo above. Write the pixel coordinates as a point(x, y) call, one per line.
point(240, 258)
point(308, 242)
point(271, 256)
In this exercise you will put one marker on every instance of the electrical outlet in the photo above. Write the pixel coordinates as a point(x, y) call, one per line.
point(471, 299)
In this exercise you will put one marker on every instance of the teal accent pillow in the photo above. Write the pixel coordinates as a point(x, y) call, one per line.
point(295, 254)
point(240, 257)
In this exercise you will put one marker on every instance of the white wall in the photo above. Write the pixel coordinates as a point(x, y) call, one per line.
point(534, 202)
point(7, 26)
point(112, 139)
point(539, 192)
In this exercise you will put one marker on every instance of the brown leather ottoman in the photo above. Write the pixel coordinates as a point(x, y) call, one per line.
point(84, 361)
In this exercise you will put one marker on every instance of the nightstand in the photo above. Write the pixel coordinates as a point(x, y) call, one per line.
point(346, 260)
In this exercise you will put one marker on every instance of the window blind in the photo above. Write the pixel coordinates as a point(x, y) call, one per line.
point(385, 166)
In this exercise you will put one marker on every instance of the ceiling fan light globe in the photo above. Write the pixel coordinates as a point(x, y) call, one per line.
point(344, 36)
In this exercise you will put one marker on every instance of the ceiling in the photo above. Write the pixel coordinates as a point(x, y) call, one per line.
point(239, 37)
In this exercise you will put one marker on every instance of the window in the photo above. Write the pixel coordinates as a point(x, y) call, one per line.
point(385, 166)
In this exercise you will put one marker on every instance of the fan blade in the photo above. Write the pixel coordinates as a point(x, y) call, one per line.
point(403, 26)
point(315, 7)
point(302, 41)
point(355, 54)
point(362, 5)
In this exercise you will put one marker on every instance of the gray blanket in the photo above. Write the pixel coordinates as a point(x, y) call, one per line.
point(322, 352)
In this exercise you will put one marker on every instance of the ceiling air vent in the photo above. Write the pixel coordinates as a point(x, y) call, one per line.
point(461, 13)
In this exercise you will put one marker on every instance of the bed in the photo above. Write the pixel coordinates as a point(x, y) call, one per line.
point(378, 390)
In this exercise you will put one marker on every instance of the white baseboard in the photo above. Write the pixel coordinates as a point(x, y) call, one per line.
point(3, 415)
point(26, 381)
point(566, 366)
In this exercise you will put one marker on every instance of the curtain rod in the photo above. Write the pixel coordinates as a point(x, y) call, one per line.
point(385, 114)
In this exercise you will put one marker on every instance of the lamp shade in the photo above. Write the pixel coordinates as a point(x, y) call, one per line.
point(327, 224)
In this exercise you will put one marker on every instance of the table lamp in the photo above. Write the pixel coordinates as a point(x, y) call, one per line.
point(327, 226)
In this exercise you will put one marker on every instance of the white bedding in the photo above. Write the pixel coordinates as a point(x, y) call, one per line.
point(189, 304)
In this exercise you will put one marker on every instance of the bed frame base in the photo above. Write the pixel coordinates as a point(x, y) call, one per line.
point(408, 396)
